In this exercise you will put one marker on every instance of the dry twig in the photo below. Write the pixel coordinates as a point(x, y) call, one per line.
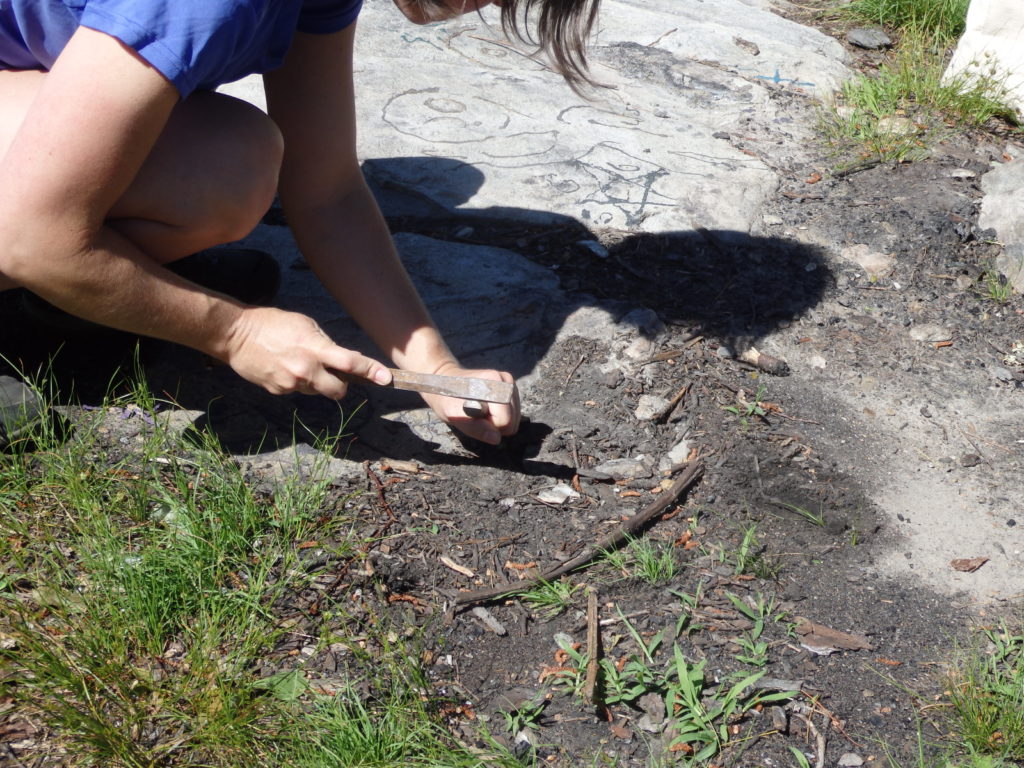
point(613, 540)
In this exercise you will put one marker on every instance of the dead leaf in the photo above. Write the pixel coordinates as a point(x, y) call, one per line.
point(823, 640)
point(968, 564)
point(520, 566)
point(889, 662)
point(814, 178)
point(621, 732)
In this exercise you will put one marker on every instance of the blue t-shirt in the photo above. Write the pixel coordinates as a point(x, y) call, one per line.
point(196, 44)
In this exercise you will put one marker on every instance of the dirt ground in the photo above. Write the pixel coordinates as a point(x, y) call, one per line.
point(875, 428)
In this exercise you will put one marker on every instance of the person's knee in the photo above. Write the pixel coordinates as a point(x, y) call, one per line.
point(248, 183)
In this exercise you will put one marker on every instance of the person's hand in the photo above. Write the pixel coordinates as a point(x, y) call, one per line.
point(499, 420)
point(288, 352)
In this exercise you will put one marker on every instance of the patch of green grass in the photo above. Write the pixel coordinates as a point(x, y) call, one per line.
point(942, 20)
point(641, 558)
point(815, 518)
point(986, 690)
point(745, 410)
point(750, 557)
point(896, 113)
point(550, 598)
point(140, 590)
point(524, 716)
point(703, 710)
point(995, 287)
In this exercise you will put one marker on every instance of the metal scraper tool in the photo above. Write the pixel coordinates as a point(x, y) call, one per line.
point(480, 390)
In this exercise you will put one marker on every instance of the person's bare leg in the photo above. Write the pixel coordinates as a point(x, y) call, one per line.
point(210, 177)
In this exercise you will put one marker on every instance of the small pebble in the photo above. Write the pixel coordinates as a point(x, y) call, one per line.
point(930, 332)
point(1010, 523)
point(970, 460)
point(871, 38)
point(649, 406)
point(850, 760)
point(594, 247)
point(557, 495)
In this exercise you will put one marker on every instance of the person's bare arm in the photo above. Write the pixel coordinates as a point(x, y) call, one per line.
point(340, 229)
point(88, 132)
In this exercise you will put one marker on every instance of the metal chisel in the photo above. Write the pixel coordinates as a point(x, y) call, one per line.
point(481, 390)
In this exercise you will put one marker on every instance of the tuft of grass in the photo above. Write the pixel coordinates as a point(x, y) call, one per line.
point(996, 287)
point(942, 20)
point(986, 690)
point(550, 598)
point(142, 587)
point(815, 518)
point(641, 558)
point(704, 711)
point(750, 557)
point(897, 112)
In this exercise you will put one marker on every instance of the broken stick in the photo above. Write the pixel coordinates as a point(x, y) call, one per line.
point(593, 648)
point(614, 540)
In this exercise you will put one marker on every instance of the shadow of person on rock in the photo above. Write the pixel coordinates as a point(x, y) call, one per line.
point(501, 283)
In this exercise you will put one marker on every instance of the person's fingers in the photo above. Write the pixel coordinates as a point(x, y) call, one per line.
point(350, 363)
point(326, 383)
point(478, 429)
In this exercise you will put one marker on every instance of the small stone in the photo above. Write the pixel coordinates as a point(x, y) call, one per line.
point(846, 112)
point(930, 333)
point(725, 351)
point(963, 282)
point(645, 723)
point(772, 221)
point(897, 126)
point(594, 247)
point(463, 232)
point(644, 320)
point(871, 38)
point(557, 495)
point(1010, 523)
point(874, 263)
point(654, 706)
point(817, 361)
point(1010, 263)
point(638, 349)
point(850, 760)
point(649, 406)
point(970, 460)
point(676, 455)
point(1003, 374)
point(563, 640)
point(625, 468)
point(961, 173)
point(780, 721)
point(612, 378)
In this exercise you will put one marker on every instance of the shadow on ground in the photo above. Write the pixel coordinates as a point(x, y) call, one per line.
point(726, 285)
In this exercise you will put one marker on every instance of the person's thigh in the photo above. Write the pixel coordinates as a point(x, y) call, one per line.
point(210, 177)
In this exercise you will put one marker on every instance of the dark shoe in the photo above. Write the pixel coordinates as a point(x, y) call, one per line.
point(246, 274)
point(20, 409)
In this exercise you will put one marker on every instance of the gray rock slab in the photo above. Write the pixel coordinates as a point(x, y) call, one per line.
point(1011, 264)
point(492, 305)
point(495, 308)
point(1001, 207)
point(871, 38)
point(453, 116)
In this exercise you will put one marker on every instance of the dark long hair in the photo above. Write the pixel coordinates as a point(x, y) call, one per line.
point(562, 30)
